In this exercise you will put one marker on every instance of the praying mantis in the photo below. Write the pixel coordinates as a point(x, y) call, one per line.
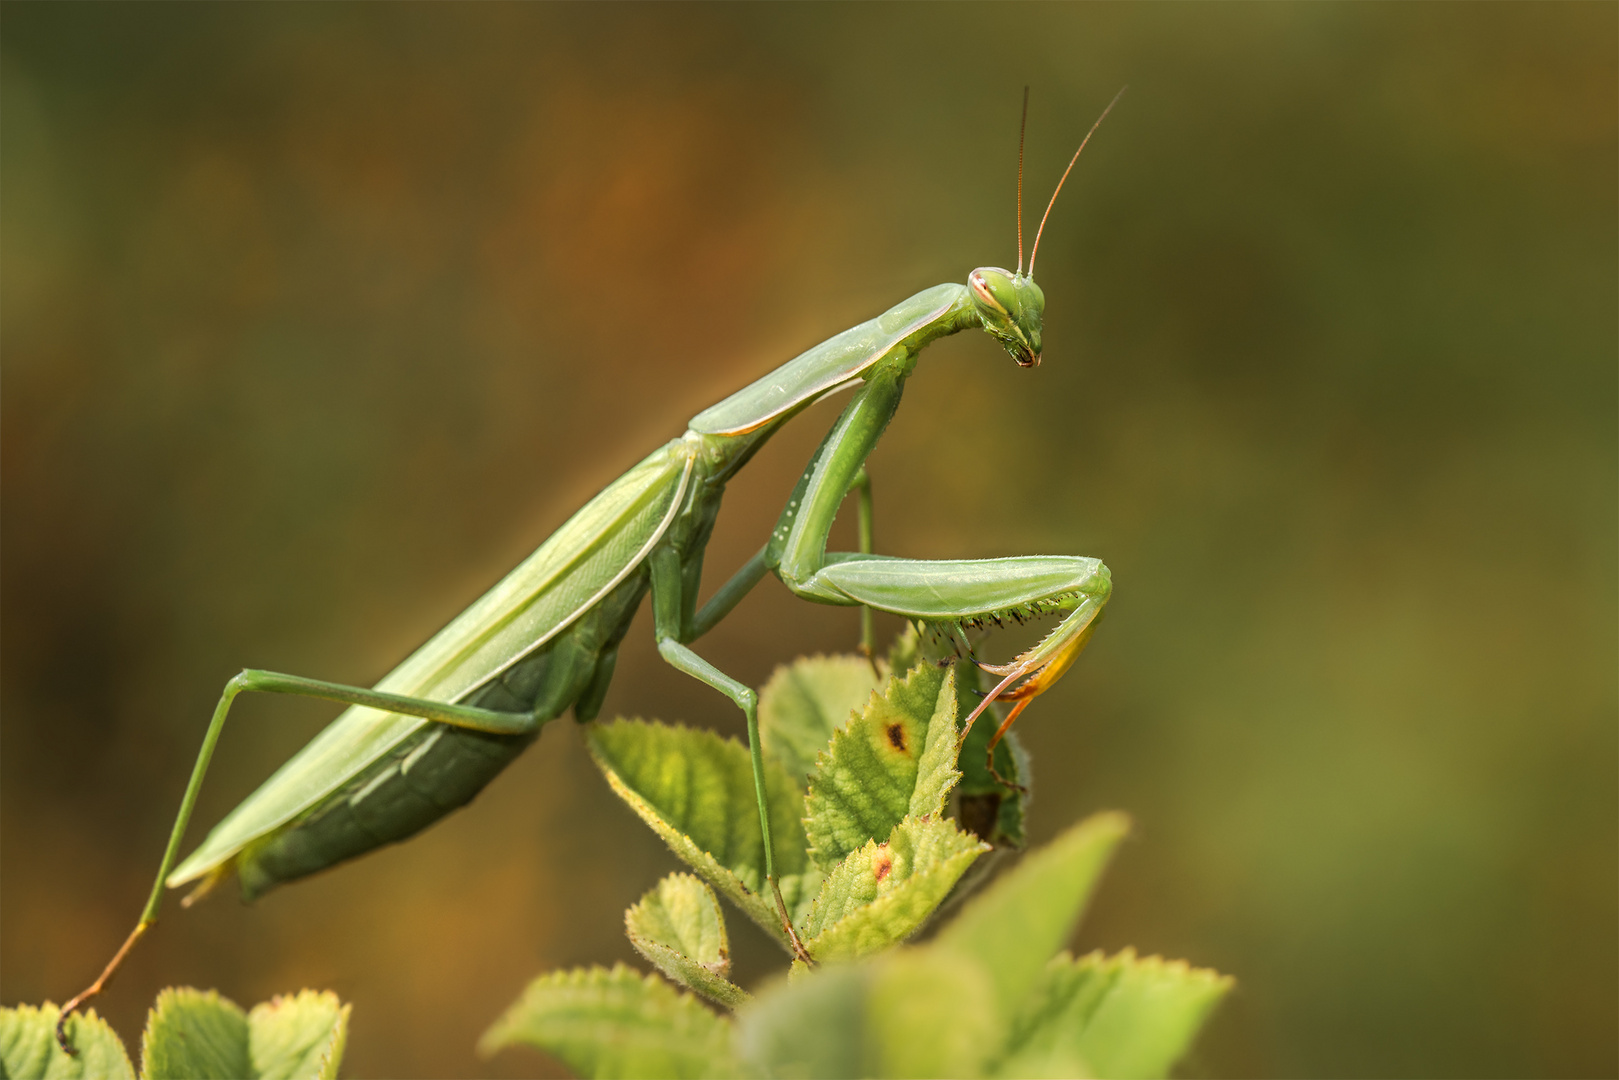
point(439, 727)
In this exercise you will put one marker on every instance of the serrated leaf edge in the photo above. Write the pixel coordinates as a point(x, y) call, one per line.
point(50, 1012)
point(170, 996)
point(826, 758)
point(885, 673)
point(1025, 1028)
point(710, 869)
point(722, 965)
point(710, 984)
point(497, 1036)
point(331, 1055)
point(876, 908)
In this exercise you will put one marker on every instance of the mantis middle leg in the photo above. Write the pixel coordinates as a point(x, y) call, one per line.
point(673, 626)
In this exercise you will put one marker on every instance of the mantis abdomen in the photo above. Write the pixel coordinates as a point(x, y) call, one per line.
point(439, 768)
point(435, 771)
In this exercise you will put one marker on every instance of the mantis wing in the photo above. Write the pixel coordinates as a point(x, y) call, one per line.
point(584, 559)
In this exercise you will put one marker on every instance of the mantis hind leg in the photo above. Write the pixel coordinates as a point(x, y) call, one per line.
point(270, 682)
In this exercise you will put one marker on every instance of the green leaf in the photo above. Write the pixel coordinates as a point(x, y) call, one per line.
point(695, 790)
point(198, 1035)
point(678, 926)
point(896, 759)
point(809, 1025)
point(302, 1035)
point(189, 1033)
point(681, 913)
point(807, 700)
point(1016, 925)
point(616, 1023)
point(195, 1035)
point(906, 652)
point(911, 1012)
point(28, 1049)
point(1111, 1016)
point(880, 894)
point(927, 1014)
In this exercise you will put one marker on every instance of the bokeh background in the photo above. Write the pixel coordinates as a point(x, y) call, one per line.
point(317, 318)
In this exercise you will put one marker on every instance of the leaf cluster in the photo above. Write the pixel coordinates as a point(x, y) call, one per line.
point(880, 807)
point(864, 849)
point(190, 1035)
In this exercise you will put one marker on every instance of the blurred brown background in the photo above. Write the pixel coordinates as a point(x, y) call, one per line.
point(318, 318)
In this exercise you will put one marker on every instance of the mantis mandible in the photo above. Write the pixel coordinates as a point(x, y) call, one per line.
point(435, 730)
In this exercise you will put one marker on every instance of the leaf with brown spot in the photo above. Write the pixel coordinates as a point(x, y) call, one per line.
point(897, 759)
point(883, 893)
point(984, 997)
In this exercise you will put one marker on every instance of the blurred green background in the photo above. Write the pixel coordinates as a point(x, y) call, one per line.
point(317, 318)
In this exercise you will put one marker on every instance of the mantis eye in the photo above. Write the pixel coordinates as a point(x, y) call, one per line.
point(980, 287)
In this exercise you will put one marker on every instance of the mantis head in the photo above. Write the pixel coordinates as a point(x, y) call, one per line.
point(1011, 307)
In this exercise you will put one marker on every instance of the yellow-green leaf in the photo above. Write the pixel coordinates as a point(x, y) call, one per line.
point(195, 1035)
point(807, 700)
point(882, 893)
point(896, 759)
point(695, 789)
point(1015, 926)
point(926, 1015)
point(616, 1023)
point(1116, 1016)
point(678, 926)
point(810, 1025)
point(28, 1049)
point(911, 1012)
point(291, 1037)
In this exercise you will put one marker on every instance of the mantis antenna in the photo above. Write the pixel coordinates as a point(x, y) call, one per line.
point(1065, 173)
point(1023, 127)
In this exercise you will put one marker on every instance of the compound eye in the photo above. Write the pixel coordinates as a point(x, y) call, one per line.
point(980, 287)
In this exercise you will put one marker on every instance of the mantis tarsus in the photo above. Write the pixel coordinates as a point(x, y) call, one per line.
point(441, 725)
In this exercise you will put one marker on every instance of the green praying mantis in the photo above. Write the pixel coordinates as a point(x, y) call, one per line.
point(439, 727)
